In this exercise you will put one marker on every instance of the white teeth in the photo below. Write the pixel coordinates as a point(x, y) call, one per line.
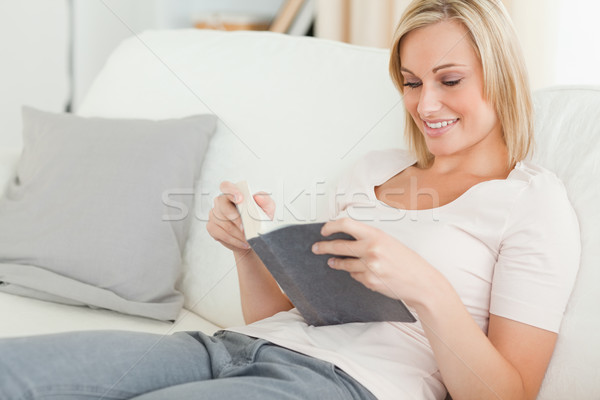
point(438, 125)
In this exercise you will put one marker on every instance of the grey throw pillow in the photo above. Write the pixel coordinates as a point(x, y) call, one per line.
point(96, 214)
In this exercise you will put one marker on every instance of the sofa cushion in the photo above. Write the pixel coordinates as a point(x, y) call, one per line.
point(23, 316)
point(88, 218)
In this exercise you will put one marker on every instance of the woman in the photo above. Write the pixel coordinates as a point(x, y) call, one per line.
point(477, 250)
point(459, 228)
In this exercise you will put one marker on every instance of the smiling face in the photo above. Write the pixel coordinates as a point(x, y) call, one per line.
point(443, 91)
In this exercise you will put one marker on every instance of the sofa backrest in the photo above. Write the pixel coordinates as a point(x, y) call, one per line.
point(294, 113)
point(567, 124)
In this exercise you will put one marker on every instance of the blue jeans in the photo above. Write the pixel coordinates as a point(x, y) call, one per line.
point(129, 365)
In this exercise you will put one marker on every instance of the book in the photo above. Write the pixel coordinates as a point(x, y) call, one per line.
point(286, 15)
point(321, 294)
point(304, 20)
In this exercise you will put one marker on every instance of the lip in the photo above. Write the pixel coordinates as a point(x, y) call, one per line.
point(433, 133)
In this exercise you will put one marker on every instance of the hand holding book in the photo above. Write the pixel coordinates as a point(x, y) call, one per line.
point(377, 260)
point(323, 295)
point(225, 224)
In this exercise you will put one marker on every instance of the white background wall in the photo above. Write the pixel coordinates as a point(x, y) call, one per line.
point(577, 56)
point(33, 70)
point(559, 38)
point(99, 27)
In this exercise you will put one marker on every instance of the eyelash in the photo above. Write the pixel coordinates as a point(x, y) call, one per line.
point(414, 85)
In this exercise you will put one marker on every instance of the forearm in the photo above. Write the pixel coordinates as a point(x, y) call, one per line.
point(260, 295)
point(470, 365)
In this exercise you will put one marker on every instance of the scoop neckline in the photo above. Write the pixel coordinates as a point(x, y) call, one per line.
point(412, 161)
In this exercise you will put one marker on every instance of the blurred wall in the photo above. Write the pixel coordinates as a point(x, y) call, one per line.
point(33, 39)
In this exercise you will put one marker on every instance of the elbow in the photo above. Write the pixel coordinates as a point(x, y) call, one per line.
point(253, 315)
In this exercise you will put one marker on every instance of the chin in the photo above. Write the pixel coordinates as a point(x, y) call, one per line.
point(438, 149)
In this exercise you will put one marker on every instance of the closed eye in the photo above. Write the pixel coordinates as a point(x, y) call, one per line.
point(412, 85)
point(452, 83)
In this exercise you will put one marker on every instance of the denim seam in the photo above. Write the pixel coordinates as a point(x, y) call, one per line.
point(341, 385)
point(259, 346)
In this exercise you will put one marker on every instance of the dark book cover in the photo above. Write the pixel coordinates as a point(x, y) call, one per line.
point(323, 295)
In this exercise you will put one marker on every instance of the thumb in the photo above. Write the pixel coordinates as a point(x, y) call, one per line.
point(265, 202)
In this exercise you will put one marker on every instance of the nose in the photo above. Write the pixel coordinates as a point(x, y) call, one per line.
point(429, 102)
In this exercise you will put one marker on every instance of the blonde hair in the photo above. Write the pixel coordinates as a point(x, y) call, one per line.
point(505, 81)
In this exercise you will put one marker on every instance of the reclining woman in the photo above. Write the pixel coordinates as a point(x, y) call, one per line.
point(485, 256)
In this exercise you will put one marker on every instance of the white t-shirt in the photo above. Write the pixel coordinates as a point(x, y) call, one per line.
point(508, 247)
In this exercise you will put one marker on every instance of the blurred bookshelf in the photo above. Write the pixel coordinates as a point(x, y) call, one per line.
point(294, 17)
point(229, 21)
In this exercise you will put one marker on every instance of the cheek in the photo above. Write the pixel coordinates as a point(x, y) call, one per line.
point(486, 115)
point(411, 101)
point(471, 102)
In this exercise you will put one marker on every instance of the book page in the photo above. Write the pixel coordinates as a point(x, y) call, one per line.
point(252, 215)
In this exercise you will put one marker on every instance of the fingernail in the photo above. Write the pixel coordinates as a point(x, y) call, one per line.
point(246, 246)
point(315, 248)
point(331, 262)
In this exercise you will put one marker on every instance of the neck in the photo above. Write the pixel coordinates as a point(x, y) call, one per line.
point(483, 159)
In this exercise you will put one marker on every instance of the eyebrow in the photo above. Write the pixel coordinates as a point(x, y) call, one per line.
point(436, 69)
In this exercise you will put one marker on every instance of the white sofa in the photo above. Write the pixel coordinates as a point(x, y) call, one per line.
point(294, 112)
